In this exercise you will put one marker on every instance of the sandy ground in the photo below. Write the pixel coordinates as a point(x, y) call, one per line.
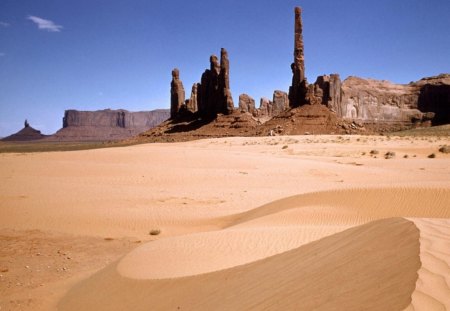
point(254, 214)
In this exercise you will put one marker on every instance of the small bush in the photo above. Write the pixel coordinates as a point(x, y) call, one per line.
point(389, 155)
point(285, 147)
point(445, 149)
point(432, 156)
point(374, 152)
point(155, 232)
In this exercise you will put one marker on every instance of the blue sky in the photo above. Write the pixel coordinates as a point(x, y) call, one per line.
point(96, 54)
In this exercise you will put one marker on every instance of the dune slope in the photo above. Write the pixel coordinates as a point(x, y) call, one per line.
point(370, 267)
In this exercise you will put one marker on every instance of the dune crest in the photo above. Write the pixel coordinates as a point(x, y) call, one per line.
point(433, 286)
point(278, 227)
point(340, 272)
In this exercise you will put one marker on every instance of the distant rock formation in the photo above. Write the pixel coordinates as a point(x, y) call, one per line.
point(104, 125)
point(176, 94)
point(26, 134)
point(328, 105)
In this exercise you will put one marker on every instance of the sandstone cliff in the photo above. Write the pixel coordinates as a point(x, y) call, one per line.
point(103, 125)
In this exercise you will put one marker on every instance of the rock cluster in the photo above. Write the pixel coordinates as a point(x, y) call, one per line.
point(210, 97)
point(267, 108)
point(352, 101)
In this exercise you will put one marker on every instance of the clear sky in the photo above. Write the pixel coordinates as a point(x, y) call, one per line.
point(96, 54)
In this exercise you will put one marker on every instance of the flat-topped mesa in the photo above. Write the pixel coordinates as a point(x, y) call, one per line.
point(299, 87)
point(176, 94)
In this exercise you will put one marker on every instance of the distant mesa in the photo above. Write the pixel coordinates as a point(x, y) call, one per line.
point(98, 126)
point(329, 105)
point(107, 125)
point(26, 134)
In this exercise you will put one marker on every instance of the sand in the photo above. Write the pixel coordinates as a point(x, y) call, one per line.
point(239, 217)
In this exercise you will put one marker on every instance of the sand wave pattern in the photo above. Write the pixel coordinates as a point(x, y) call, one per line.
point(370, 267)
point(278, 227)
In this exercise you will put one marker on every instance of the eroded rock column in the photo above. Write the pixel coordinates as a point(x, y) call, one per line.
point(177, 94)
point(299, 87)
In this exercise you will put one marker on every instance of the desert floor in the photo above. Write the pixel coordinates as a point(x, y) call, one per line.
point(278, 223)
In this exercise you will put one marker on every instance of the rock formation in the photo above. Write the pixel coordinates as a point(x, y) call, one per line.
point(280, 102)
point(357, 101)
point(246, 104)
point(265, 108)
point(176, 94)
point(299, 87)
point(214, 95)
point(192, 103)
point(210, 97)
point(227, 105)
point(26, 134)
point(434, 97)
point(103, 125)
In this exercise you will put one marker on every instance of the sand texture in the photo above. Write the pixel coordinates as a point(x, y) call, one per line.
point(269, 223)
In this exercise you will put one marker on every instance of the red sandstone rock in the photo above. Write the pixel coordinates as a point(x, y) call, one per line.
point(246, 103)
point(299, 87)
point(176, 94)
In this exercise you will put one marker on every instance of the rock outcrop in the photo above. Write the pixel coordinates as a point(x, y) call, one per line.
point(26, 134)
point(105, 125)
point(210, 97)
point(434, 97)
point(177, 94)
point(280, 102)
point(299, 88)
point(214, 94)
point(192, 103)
point(246, 104)
point(351, 106)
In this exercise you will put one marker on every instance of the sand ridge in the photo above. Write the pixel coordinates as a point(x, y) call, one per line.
point(355, 261)
point(278, 227)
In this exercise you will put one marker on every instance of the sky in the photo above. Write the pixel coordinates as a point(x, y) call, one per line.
point(98, 54)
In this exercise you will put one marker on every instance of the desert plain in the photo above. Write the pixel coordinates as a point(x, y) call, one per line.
point(264, 223)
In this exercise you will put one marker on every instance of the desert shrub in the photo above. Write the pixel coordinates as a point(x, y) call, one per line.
point(445, 149)
point(155, 232)
point(389, 155)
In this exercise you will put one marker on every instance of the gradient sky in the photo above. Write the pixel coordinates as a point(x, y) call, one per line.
point(96, 54)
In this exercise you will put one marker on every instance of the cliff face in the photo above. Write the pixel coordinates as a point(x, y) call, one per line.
point(107, 124)
point(375, 101)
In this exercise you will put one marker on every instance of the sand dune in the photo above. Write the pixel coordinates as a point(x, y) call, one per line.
point(340, 272)
point(433, 286)
point(277, 227)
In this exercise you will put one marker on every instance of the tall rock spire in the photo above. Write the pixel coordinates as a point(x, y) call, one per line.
point(299, 57)
point(298, 90)
point(176, 94)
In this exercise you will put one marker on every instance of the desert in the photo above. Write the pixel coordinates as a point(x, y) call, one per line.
point(287, 222)
point(331, 195)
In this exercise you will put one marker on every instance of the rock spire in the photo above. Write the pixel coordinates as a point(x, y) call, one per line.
point(176, 94)
point(299, 87)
